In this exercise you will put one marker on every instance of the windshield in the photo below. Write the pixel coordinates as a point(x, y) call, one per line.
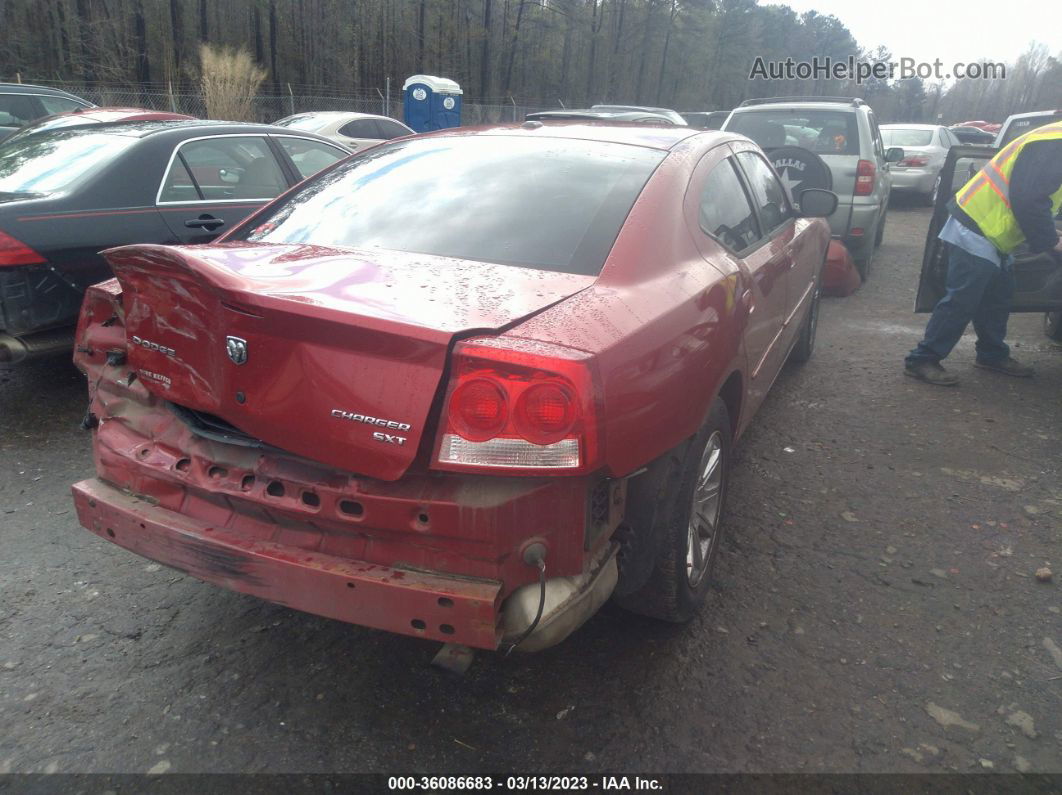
point(56, 161)
point(827, 132)
point(908, 137)
point(547, 203)
point(307, 123)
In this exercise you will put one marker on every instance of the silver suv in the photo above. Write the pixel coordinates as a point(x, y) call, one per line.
point(844, 133)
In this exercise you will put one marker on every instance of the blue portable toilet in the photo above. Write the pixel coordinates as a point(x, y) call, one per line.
point(431, 103)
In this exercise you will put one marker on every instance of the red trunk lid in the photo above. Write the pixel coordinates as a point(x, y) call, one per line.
point(344, 349)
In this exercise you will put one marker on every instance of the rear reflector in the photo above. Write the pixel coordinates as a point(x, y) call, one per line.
point(511, 453)
point(15, 252)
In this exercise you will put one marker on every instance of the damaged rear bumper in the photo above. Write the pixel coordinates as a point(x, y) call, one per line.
point(426, 605)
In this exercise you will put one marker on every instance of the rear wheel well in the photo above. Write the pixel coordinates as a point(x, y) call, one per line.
point(730, 393)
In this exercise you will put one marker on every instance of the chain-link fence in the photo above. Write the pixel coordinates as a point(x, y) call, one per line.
point(270, 107)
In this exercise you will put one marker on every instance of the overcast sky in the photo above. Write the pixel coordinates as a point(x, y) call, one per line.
point(945, 29)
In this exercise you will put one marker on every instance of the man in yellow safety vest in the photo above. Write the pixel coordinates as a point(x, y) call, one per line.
point(1012, 200)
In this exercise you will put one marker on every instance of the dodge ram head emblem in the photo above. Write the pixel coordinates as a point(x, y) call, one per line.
point(237, 349)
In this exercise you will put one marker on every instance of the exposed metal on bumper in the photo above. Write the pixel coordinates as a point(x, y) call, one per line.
point(425, 605)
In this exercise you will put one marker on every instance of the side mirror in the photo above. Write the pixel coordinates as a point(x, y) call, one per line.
point(817, 203)
point(894, 154)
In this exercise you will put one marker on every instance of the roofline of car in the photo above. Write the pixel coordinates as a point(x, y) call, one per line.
point(563, 123)
point(34, 87)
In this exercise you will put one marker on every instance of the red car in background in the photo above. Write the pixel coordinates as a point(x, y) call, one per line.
point(74, 118)
point(463, 386)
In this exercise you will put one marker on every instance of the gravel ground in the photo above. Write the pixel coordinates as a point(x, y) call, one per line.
point(875, 607)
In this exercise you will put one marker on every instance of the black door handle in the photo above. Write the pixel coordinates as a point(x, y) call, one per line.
point(207, 222)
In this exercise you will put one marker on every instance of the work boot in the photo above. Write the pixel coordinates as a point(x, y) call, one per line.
point(1008, 366)
point(930, 372)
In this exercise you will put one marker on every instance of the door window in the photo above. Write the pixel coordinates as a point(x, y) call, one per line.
point(224, 169)
point(767, 192)
point(309, 156)
point(725, 212)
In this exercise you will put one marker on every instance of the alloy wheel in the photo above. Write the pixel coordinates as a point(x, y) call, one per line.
point(705, 511)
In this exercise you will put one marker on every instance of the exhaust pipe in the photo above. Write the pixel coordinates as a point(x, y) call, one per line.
point(19, 350)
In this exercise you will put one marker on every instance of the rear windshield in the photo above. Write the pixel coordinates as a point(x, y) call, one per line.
point(546, 203)
point(827, 132)
point(1019, 127)
point(900, 137)
point(56, 161)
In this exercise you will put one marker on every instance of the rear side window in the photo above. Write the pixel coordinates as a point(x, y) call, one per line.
point(725, 212)
point(309, 156)
point(360, 128)
point(767, 191)
point(875, 131)
point(827, 132)
point(546, 203)
point(391, 129)
point(224, 169)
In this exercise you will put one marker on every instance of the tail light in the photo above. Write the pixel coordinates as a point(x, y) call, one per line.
point(865, 173)
point(15, 252)
point(914, 161)
point(100, 326)
point(524, 408)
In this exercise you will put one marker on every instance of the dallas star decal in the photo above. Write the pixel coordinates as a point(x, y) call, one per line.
point(789, 183)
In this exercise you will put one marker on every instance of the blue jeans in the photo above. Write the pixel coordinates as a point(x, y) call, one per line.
point(977, 291)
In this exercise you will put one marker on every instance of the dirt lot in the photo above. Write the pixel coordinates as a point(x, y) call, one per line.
point(875, 608)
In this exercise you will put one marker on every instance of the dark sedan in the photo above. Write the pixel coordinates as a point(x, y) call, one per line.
point(973, 135)
point(67, 194)
point(21, 104)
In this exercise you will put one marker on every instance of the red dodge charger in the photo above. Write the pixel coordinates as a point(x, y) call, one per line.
point(465, 386)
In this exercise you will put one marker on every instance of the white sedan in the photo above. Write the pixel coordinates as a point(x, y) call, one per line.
point(356, 131)
point(925, 147)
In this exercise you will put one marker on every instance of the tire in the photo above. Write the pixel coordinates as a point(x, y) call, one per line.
point(879, 233)
point(1053, 325)
point(805, 344)
point(678, 580)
